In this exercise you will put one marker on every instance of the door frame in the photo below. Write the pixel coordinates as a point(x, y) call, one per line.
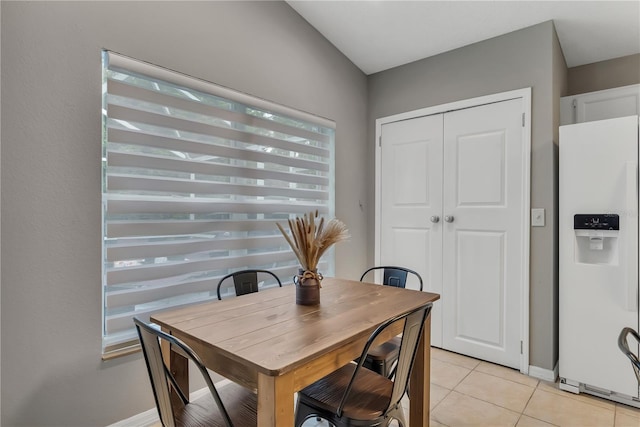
point(525, 95)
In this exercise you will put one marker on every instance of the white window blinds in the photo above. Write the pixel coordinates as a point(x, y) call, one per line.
point(195, 177)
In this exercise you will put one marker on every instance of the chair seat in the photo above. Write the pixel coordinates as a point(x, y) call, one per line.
point(382, 358)
point(369, 394)
point(387, 351)
point(239, 402)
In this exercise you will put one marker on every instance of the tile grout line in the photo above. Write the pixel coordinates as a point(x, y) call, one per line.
point(585, 398)
point(531, 416)
point(510, 380)
point(520, 413)
point(441, 400)
point(488, 403)
point(543, 386)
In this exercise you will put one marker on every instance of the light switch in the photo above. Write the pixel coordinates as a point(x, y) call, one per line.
point(537, 217)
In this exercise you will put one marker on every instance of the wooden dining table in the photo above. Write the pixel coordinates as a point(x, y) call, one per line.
point(266, 342)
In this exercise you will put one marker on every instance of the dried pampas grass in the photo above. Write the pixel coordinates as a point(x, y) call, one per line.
point(310, 239)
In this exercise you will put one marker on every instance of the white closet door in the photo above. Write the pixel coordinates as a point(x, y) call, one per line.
point(482, 243)
point(411, 204)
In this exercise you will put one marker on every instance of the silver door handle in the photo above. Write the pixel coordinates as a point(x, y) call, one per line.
point(435, 219)
point(448, 218)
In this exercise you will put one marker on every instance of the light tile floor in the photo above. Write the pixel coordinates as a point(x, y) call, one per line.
point(470, 392)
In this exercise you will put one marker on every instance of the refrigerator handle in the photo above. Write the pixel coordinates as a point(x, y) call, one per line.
point(632, 245)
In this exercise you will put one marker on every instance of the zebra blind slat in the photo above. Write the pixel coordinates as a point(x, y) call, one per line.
point(195, 177)
point(172, 269)
point(141, 295)
point(126, 182)
point(138, 250)
point(179, 167)
point(138, 228)
point(134, 118)
point(125, 137)
point(125, 90)
point(173, 206)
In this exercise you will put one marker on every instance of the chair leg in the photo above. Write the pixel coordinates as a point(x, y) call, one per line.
point(382, 368)
point(398, 414)
point(302, 413)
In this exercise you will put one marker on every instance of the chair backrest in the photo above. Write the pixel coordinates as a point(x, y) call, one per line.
point(624, 347)
point(394, 276)
point(413, 325)
point(160, 376)
point(411, 333)
point(245, 281)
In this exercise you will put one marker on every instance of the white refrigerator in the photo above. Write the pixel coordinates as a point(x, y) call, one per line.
point(598, 256)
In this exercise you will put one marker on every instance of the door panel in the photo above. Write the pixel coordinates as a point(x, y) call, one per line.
point(411, 178)
point(482, 246)
point(417, 239)
point(481, 169)
point(481, 254)
point(411, 193)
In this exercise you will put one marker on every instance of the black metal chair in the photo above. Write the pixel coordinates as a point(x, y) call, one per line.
point(624, 346)
point(382, 358)
point(246, 281)
point(394, 276)
point(352, 396)
point(239, 405)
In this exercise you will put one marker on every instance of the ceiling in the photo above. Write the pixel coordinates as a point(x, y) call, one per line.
point(378, 35)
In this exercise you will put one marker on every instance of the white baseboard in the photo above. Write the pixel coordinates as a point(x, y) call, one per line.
point(544, 374)
point(150, 417)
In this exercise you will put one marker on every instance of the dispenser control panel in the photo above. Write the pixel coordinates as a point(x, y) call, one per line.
point(596, 222)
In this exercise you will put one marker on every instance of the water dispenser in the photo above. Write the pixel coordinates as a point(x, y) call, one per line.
point(596, 238)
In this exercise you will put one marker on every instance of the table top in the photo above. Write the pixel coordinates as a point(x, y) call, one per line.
point(269, 333)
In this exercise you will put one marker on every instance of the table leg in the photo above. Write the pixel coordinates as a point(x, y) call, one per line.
point(420, 385)
point(275, 401)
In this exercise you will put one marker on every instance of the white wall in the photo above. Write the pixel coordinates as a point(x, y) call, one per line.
point(52, 373)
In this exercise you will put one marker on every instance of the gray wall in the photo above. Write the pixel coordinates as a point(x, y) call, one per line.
point(559, 89)
point(604, 75)
point(52, 373)
point(516, 60)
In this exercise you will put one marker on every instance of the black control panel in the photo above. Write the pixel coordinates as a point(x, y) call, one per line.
point(596, 222)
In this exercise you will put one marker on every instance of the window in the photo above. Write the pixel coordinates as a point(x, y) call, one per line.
point(195, 176)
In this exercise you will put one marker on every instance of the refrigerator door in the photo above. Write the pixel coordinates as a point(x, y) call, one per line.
point(598, 288)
